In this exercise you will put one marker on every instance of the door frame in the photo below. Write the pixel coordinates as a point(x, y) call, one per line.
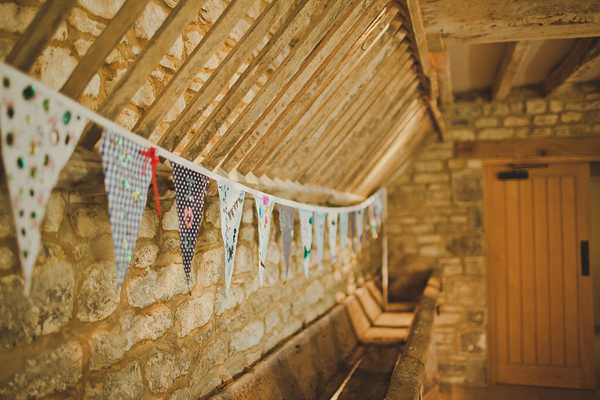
point(492, 341)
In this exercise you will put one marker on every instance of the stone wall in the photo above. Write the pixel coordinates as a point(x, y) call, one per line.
point(78, 337)
point(436, 210)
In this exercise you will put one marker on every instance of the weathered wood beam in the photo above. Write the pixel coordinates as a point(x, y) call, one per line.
point(251, 74)
point(102, 46)
point(32, 42)
point(512, 59)
point(222, 75)
point(441, 64)
point(362, 41)
point(189, 69)
point(312, 67)
point(280, 78)
point(144, 64)
point(583, 55)
point(585, 147)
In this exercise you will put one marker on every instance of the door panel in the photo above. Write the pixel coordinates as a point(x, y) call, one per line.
point(541, 315)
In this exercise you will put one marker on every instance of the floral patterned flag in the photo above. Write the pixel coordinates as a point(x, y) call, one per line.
point(190, 191)
point(39, 134)
point(372, 221)
point(306, 227)
point(332, 220)
point(359, 229)
point(320, 232)
point(344, 234)
point(232, 204)
point(264, 207)
point(286, 224)
point(127, 175)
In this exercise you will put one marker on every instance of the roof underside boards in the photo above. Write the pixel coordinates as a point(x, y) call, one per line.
point(325, 93)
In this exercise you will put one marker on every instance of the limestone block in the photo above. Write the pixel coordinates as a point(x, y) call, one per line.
point(495, 109)
point(429, 166)
point(431, 177)
point(211, 11)
point(56, 370)
point(107, 347)
point(149, 224)
point(162, 284)
point(272, 320)
point(535, 106)
point(486, 122)
point(175, 110)
point(93, 88)
point(177, 49)
point(467, 290)
point(570, 117)
point(214, 354)
point(162, 368)
point(233, 319)
point(211, 266)
point(459, 135)
point(7, 258)
point(545, 119)
point(228, 301)
point(466, 186)
point(473, 342)
point(150, 325)
point(495, 134)
point(170, 219)
point(556, 106)
point(516, 121)
point(125, 384)
point(149, 21)
point(144, 254)
point(105, 9)
point(98, 296)
point(54, 66)
point(194, 313)
point(181, 394)
point(467, 245)
point(14, 18)
point(245, 260)
point(90, 221)
point(248, 337)
point(144, 97)
point(80, 20)
point(192, 38)
point(314, 292)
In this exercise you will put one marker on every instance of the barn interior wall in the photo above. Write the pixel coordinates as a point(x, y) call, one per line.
point(436, 210)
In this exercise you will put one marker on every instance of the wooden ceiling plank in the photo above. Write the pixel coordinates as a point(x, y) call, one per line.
point(345, 113)
point(347, 86)
point(135, 76)
point(189, 69)
point(512, 59)
point(94, 58)
point(288, 69)
point(312, 67)
point(583, 55)
point(222, 75)
point(246, 81)
point(444, 77)
point(416, 21)
point(32, 42)
point(275, 132)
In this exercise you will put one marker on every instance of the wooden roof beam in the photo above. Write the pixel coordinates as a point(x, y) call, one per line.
point(512, 59)
point(441, 64)
point(583, 55)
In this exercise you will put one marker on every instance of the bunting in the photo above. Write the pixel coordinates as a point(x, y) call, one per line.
point(39, 134)
point(286, 224)
point(359, 229)
point(372, 221)
point(332, 220)
point(352, 225)
point(306, 228)
point(190, 191)
point(320, 232)
point(127, 175)
point(264, 207)
point(344, 234)
point(232, 204)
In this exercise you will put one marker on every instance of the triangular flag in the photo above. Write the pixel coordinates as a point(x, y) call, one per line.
point(39, 134)
point(306, 227)
point(320, 232)
point(190, 190)
point(352, 225)
point(127, 175)
point(232, 204)
point(359, 228)
point(372, 221)
point(286, 224)
point(332, 221)
point(264, 208)
point(344, 234)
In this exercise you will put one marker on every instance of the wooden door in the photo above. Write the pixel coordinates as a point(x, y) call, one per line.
point(541, 307)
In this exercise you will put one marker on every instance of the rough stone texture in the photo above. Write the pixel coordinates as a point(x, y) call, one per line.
point(52, 371)
point(7, 258)
point(164, 284)
point(194, 314)
point(106, 9)
point(90, 222)
point(98, 296)
point(55, 65)
point(82, 22)
point(14, 18)
point(149, 21)
point(107, 347)
point(151, 325)
point(55, 211)
point(248, 337)
point(162, 368)
point(125, 384)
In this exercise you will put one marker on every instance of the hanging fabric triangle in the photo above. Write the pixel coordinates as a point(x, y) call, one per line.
point(127, 175)
point(286, 224)
point(306, 228)
point(372, 221)
point(332, 221)
point(39, 134)
point(344, 234)
point(264, 208)
point(320, 232)
point(232, 204)
point(190, 191)
point(352, 225)
point(359, 229)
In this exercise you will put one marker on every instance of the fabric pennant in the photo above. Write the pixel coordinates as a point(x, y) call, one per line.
point(306, 228)
point(359, 229)
point(344, 234)
point(232, 204)
point(286, 224)
point(320, 232)
point(127, 175)
point(372, 221)
point(39, 134)
point(264, 207)
point(352, 225)
point(332, 221)
point(190, 191)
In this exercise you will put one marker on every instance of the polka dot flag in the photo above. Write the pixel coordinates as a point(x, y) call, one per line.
point(39, 134)
point(190, 191)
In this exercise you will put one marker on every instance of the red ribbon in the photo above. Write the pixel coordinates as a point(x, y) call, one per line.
point(151, 155)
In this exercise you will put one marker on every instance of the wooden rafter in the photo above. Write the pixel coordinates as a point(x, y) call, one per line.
point(583, 55)
point(441, 64)
point(512, 59)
